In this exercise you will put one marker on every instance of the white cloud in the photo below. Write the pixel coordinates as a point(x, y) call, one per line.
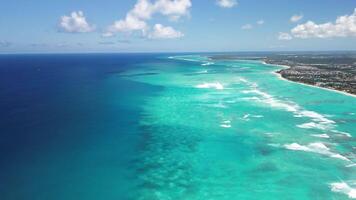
point(136, 19)
point(296, 18)
point(130, 23)
point(164, 32)
point(143, 9)
point(226, 3)
point(75, 23)
point(5, 44)
point(173, 8)
point(284, 36)
point(247, 27)
point(344, 26)
point(260, 22)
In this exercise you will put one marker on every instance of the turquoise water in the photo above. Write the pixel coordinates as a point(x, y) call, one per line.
point(235, 130)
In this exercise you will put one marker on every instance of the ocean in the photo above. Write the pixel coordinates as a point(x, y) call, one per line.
point(170, 127)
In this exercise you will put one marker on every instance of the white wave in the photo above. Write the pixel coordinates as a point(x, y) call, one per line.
point(269, 134)
point(319, 121)
point(256, 91)
point(243, 80)
point(344, 188)
point(316, 147)
point(251, 98)
point(316, 116)
point(296, 147)
point(351, 165)
point(268, 99)
point(216, 85)
point(226, 124)
point(321, 135)
point(247, 117)
point(202, 72)
point(311, 125)
point(342, 133)
point(207, 64)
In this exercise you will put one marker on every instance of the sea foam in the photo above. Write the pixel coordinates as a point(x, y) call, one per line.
point(318, 121)
point(344, 188)
point(321, 135)
point(207, 64)
point(215, 85)
point(316, 147)
point(226, 124)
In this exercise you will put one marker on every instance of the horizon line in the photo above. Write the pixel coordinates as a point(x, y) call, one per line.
point(178, 52)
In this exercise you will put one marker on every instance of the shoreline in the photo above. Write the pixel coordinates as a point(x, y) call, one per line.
point(305, 84)
point(324, 88)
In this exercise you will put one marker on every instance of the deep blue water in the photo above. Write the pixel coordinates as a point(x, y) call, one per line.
point(68, 130)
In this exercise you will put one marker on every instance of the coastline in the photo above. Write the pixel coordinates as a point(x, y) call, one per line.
point(287, 67)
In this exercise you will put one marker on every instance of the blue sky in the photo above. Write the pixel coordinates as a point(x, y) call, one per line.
point(176, 25)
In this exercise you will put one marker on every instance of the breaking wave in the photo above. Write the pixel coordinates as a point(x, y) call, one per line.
point(215, 85)
point(342, 187)
point(316, 147)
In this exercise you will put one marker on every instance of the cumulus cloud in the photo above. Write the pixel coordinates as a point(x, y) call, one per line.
point(226, 3)
point(164, 32)
point(130, 23)
point(136, 19)
point(75, 23)
point(296, 18)
point(284, 36)
point(173, 8)
point(247, 27)
point(260, 22)
point(344, 26)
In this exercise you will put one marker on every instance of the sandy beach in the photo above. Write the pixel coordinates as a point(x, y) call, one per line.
point(329, 89)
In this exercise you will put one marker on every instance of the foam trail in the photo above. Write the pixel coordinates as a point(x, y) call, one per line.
point(319, 121)
point(226, 124)
point(216, 85)
point(321, 135)
point(344, 188)
point(351, 165)
point(313, 125)
point(316, 147)
point(247, 117)
point(342, 133)
point(207, 64)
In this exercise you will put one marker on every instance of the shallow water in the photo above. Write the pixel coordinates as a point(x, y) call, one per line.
point(169, 127)
point(234, 130)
